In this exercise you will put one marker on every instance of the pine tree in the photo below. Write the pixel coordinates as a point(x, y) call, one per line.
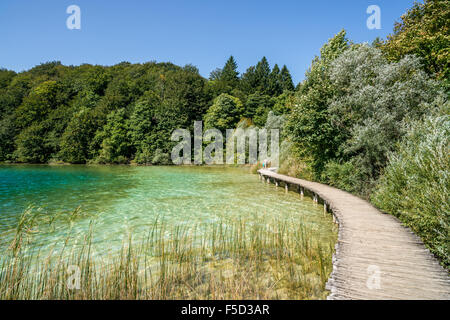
point(249, 81)
point(229, 72)
point(286, 79)
point(275, 85)
point(262, 72)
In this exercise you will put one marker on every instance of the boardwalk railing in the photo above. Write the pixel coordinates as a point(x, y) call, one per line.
point(376, 257)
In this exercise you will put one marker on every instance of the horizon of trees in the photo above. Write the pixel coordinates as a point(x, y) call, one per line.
point(125, 112)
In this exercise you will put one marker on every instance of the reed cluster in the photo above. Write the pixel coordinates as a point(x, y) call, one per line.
point(276, 259)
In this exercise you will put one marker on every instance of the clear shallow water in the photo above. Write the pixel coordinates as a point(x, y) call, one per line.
point(125, 199)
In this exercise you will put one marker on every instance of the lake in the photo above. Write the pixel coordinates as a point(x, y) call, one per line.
point(126, 197)
point(124, 201)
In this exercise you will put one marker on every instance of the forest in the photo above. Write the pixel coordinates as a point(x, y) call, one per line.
point(127, 112)
point(372, 119)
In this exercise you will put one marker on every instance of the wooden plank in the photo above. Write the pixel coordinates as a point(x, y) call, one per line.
point(373, 245)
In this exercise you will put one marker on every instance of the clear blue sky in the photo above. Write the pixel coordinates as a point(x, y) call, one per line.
point(201, 32)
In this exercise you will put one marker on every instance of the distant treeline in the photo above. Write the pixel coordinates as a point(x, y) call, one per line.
point(126, 112)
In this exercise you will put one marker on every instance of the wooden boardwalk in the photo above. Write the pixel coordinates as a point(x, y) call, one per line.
point(376, 257)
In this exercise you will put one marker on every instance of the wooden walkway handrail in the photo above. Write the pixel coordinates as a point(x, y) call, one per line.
point(376, 257)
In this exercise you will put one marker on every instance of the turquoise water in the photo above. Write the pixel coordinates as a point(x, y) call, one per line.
point(123, 200)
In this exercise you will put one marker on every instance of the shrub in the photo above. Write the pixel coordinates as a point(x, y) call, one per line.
point(340, 175)
point(160, 157)
point(416, 184)
point(372, 104)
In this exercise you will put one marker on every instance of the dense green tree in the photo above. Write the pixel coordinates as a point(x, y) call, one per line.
point(13, 88)
point(262, 72)
point(424, 31)
point(249, 81)
point(310, 123)
point(215, 74)
point(143, 126)
point(261, 78)
point(275, 87)
point(7, 136)
point(32, 146)
point(286, 79)
point(257, 107)
point(229, 72)
point(56, 122)
point(38, 104)
point(115, 144)
point(225, 80)
point(6, 76)
point(185, 95)
point(225, 113)
point(76, 140)
point(284, 103)
point(117, 95)
point(372, 104)
point(51, 70)
point(81, 113)
point(87, 78)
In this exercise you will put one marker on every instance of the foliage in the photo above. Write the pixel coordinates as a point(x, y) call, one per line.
point(115, 144)
point(6, 76)
point(261, 78)
point(424, 31)
point(32, 145)
point(225, 80)
point(7, 135)
point(121, 113)
point(310, 123)
point(416, 184)
point(38, 104)
point(229, 72)
point(143, 125)
point(286, 80)
point(257, 108)
point(372, 102)
point(225, 113)
point(274, 83)
point(284, 103)
point(364, 119)
point(76, 140)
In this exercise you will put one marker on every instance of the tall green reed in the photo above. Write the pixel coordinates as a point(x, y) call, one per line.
point(230, 259)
